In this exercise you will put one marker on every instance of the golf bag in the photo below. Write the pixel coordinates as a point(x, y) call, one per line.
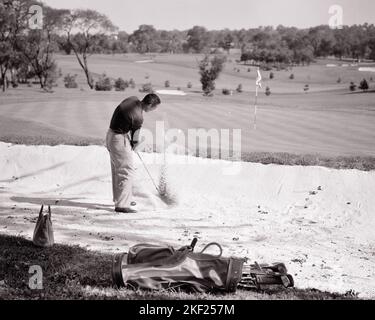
point(43, 232)
point(152, 267)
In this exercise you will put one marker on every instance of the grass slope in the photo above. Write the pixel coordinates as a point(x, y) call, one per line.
point(73, 273)
point(25, 132)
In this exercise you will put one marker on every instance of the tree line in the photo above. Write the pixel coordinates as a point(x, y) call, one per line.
point(26, 53)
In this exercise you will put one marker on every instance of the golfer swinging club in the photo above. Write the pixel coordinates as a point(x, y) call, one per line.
point(122, 138)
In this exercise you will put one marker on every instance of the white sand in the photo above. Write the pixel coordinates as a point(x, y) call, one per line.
point(171, 92)
point(265, 213)
point(367, 69)
point(144, 61)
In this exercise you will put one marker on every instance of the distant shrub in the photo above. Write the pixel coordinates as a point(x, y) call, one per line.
point(266, 67)
point(364, 85)
point(339, 80)
point(248, 69)
point(353, 86)
point(146, 88)
point(226, 92)
point(189, 85)
point(121, 84)
point(291, 77)
point(306, 88)
point(239, 88)
point(132, 83)
point(147, 76)
point(70, 81)
point(179, 88)
point(167, 84)
point(209, 70)
point(371, 79)
point(272, 75)
point(104, 83)
point(268, 91)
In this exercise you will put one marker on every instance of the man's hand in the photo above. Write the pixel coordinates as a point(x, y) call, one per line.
point(133, 144)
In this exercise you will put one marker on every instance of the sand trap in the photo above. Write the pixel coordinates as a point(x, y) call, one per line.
point(171, 92)
point(367, 69)
point(319, 221)
point(144, 61)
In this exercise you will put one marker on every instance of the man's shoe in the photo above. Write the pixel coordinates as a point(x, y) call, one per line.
point(125, 210)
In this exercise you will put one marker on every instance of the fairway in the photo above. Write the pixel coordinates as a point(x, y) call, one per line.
point(328, 120)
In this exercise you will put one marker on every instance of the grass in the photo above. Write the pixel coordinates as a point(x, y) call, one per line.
point(53, 137)
point(19, 131)
point(328, 127)
point(74, 273)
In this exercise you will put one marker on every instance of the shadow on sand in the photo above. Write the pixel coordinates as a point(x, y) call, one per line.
point(63, 202)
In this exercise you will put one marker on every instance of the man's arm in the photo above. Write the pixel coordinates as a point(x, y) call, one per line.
point(134, 137)
point(137, 122)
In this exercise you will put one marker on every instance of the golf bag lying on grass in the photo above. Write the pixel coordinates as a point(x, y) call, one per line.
point(152, 267)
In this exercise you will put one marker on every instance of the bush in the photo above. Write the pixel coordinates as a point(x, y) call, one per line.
point(291, 76)
point(352, 86)
point(339, 80)
point(146, 88)
point(306, 88)
point(132, 83)
point(189, 85)
point(70, 81)
point(226, 92)
point(167, 84)
point(121, 84)
point(371, 79)
point(104, 83)
point(364, 85)
point(272, 75)
point(239, 88)
point(210, 69)
point(248, 69)
point(268, 91)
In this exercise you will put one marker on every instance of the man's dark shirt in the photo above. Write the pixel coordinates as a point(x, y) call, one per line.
point(128, 117)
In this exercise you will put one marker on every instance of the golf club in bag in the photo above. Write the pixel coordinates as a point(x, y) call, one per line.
point(153, 267)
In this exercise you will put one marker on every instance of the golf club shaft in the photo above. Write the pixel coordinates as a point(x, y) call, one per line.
point(148, 172)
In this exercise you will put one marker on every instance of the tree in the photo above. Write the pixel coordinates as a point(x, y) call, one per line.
point(144, 39)
point(13, 22)
point(90, 24)
point(364, 85)
point(5, 56)
point(227, 42)
point(210, 69)
point(197, 39)
point(39, 46)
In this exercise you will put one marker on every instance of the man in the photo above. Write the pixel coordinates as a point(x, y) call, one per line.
point(122, 138)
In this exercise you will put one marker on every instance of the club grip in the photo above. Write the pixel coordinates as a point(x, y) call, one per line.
point(193, 244)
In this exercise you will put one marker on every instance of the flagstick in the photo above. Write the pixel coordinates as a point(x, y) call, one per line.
point(256, 108)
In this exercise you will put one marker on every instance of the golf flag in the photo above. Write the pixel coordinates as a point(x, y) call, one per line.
point(259, 79)
point(258, 85)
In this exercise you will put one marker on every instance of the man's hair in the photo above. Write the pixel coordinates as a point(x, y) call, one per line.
point(152, 99)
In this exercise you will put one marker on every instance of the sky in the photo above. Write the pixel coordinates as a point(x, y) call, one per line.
point(221, 14)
